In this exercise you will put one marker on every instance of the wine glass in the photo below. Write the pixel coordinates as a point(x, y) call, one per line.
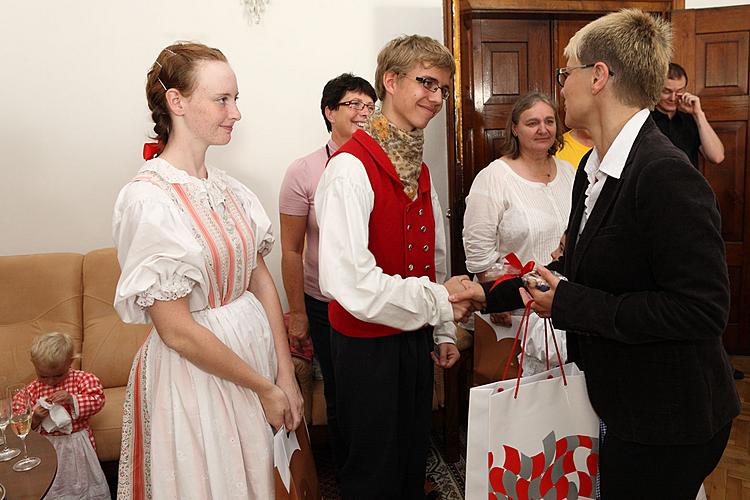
point(23, 409)
point(5, 414)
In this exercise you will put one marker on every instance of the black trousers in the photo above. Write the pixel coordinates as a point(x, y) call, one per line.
point(384, 402)
point(320, 333)
point(632, 470)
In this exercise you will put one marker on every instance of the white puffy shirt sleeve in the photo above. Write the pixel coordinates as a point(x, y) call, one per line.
point(484, 212)
point(159, 257)
point(348, 273)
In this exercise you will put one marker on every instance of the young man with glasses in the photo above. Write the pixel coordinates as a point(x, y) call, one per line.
point(382, 255)
point(346, 104)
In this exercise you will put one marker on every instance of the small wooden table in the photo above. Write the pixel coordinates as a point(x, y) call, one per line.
point(34, 483)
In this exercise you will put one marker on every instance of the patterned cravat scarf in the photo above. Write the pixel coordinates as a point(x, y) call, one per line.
point(403, 148)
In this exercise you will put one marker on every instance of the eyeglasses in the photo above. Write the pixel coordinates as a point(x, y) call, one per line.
point(563, 73)
point(358, 105)
point(432, 85)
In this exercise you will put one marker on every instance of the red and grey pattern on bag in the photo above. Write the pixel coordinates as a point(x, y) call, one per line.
point(565, 469)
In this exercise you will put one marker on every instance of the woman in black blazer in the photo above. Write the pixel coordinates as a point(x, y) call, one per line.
point(647, 293)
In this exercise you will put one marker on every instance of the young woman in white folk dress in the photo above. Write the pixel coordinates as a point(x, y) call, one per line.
point(215, 370)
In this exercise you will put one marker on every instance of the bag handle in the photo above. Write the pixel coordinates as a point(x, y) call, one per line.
point(525, 324)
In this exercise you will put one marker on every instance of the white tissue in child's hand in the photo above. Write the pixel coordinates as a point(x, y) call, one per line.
point(58, 419)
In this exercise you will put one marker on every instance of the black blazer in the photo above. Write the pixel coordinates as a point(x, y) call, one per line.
point(647, 299)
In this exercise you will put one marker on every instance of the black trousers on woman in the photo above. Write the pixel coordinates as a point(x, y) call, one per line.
point(383, 404)
point(633, 470)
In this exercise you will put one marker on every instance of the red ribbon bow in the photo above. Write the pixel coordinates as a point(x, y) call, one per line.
point(513, 260)
point(152, 150)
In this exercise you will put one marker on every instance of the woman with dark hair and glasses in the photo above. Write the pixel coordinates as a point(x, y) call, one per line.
point(346, 104)
point(520, 203)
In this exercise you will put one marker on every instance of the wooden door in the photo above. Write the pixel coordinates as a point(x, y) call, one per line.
point(713, 45)
point(503, 60)
point(510, 58)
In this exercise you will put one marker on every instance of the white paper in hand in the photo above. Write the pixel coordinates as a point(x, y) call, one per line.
point(284, 445)
point(58, 418)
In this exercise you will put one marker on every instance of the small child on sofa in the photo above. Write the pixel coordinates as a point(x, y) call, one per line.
point(65, 400)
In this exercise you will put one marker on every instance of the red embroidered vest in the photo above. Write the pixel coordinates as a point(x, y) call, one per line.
point(401, 231)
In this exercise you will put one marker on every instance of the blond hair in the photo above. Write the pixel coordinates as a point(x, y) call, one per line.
point(401, 54)
point(637, 48)
point(52, 350)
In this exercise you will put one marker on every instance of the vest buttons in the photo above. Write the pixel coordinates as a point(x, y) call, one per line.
point(408, 227)
point(420, 212)
point(410, 247)
point(427, 267)
point(426, 247)
point(423, 229)
point(410, 267)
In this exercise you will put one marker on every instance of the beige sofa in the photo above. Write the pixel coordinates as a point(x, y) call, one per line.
point(70, 293)
point(73, 293)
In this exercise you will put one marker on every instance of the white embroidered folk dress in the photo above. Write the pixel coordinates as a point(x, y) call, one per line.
point(188, 434)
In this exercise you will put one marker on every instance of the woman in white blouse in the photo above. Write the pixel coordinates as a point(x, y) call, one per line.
point(520, 203)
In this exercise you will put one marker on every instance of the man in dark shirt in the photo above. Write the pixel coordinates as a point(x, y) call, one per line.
point(680, 117)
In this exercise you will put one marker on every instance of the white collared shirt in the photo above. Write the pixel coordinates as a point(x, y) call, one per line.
point(348, 272)
point(613, 162)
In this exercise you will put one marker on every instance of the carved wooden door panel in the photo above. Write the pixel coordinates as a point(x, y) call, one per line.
point(713, 45)
point(509, 58)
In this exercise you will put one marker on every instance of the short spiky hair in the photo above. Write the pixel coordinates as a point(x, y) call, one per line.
point(636, 47)
point(401, 54)
point(52, 350)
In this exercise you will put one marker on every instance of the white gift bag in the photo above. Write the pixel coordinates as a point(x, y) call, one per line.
point(544, 443)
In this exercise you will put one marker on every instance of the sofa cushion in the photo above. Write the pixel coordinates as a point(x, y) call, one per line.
point(38, 294)
point(107, 425)
point(109, 345)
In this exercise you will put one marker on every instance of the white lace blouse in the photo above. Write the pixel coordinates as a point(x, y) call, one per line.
point(507, 213)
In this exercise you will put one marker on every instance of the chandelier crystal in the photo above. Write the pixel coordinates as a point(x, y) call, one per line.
point(254, 9)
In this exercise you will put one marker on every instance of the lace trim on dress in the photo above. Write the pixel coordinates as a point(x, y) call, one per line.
point(176, 288)
point(214, 186)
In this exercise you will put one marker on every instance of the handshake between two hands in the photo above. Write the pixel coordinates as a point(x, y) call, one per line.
point(467, 296)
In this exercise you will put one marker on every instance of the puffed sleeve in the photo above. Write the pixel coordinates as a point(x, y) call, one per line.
point(159, 257)
point(259, 221)
point(484, 212)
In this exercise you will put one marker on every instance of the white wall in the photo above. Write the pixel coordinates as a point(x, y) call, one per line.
point(74, 116)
